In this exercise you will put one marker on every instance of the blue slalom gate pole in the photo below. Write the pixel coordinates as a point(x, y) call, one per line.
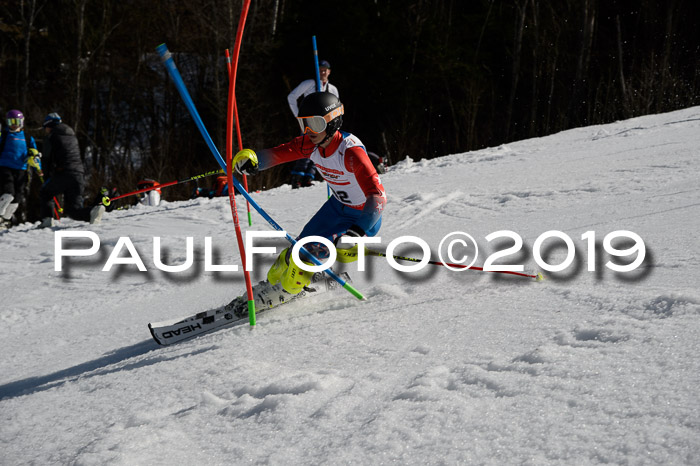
point(167, 59)
point(318, 72)
point(318, 86)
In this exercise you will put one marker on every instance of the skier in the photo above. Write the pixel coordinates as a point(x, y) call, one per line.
point(66, 174)
point(303, 171)
point(354, 209)
point(17, 150)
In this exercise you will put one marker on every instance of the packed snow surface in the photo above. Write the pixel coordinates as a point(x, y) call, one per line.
point(436, 367)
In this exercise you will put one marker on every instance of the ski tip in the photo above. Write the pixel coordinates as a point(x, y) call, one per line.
point(153, 334)
point(539, 277)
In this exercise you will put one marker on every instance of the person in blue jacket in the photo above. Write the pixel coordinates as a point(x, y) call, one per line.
point(16, 150)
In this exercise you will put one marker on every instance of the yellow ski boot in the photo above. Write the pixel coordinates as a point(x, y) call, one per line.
point(295, 278)
point(274, 275)
point(292, 277)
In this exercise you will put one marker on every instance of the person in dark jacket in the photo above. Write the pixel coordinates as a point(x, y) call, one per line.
point(65, 174)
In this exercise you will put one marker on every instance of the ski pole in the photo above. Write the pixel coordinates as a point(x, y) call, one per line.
point(537, 276)
point(57, 209)
point(177, 79)
point(238, 132)
point(106, 200)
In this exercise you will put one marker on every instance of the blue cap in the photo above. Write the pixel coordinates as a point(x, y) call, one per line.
point(51, 120)
point(325, 64)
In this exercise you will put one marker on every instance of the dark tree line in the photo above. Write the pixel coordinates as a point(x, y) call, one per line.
point(418, 78)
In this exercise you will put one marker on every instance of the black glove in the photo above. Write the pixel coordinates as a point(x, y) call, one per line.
point(247, 168)
point(354, 231)
point(246, 162)
point(348, 252)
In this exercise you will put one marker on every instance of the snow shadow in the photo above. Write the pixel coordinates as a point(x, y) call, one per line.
point(107, 364)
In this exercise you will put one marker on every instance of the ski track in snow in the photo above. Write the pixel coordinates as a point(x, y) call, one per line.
point(436, 367)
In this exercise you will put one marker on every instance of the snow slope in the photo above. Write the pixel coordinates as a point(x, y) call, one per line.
point(436, 367)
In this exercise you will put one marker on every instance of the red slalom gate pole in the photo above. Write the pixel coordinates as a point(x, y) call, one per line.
point(231, 111)
point(240, 140)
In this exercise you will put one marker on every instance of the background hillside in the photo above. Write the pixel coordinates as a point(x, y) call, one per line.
point(418, 78)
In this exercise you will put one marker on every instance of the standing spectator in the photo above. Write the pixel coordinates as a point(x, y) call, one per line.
point(303, 170)
point(16, 149)
point(65, 174)
point(309, 87)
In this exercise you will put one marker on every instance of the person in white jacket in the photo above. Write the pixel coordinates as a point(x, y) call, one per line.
point(303, 171)
point(309, 87)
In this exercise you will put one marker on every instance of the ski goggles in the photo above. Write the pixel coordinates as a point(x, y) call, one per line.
point(318, 124)
point(18, 122)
